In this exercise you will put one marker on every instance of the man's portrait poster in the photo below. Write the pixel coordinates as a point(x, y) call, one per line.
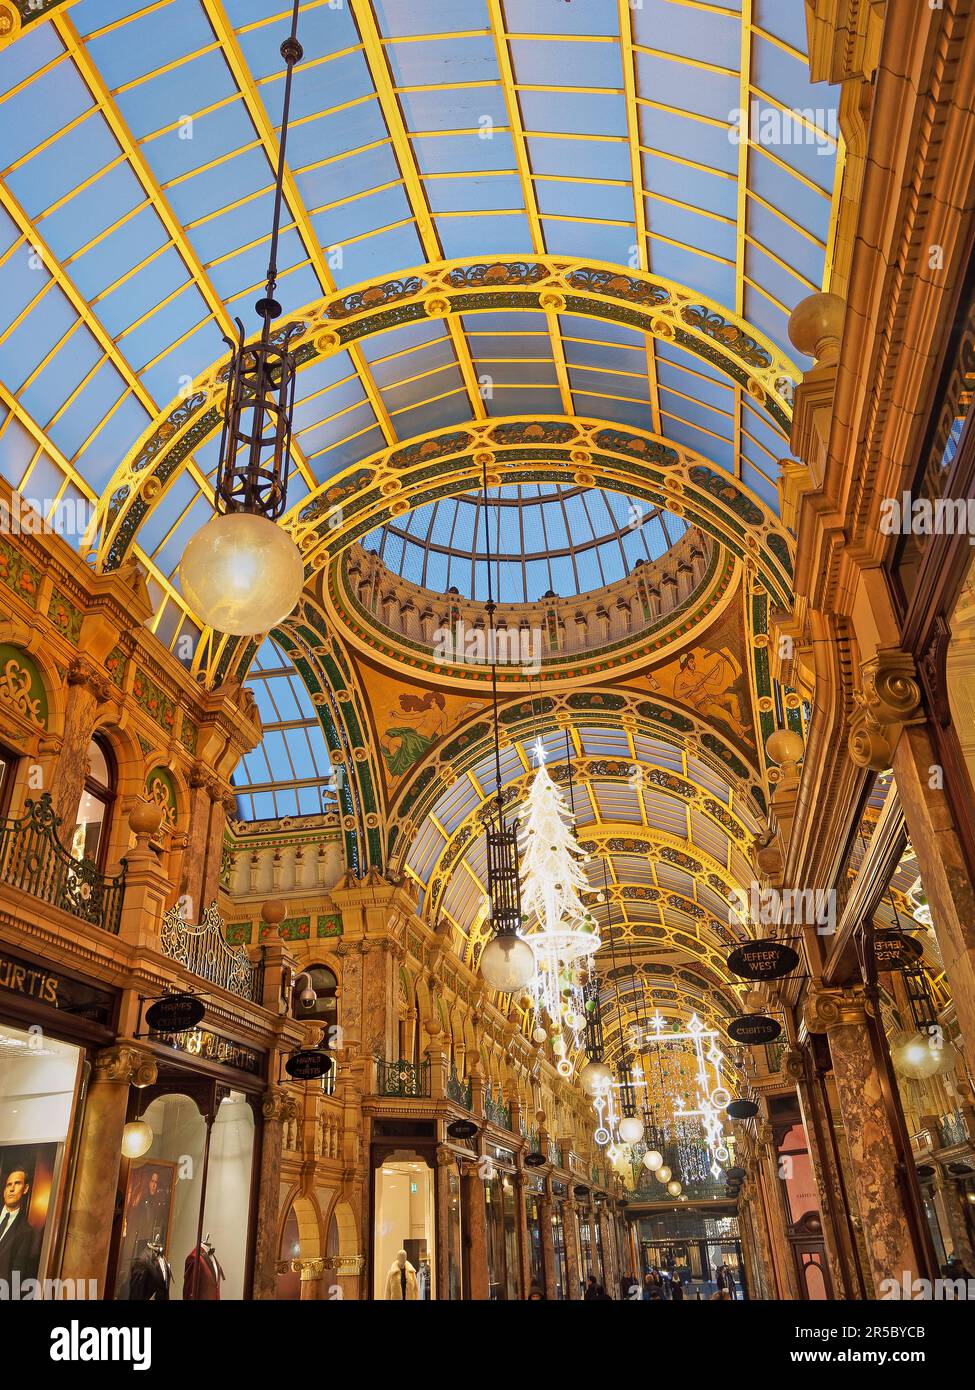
point(27, 1186)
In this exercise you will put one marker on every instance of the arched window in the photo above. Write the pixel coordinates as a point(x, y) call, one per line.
point(325, 1009)
point(89, 839)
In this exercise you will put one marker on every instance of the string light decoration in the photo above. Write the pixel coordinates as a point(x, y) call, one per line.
point(565, 936)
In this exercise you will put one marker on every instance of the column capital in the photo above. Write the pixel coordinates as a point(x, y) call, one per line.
point(83, 672)
point(278, 1105)
point(125, 1064)
point(825, 1009)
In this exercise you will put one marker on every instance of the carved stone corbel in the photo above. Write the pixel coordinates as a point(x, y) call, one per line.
point(889, 698)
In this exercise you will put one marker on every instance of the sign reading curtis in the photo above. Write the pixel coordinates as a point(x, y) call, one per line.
point(754, 1028)
point(762, 960)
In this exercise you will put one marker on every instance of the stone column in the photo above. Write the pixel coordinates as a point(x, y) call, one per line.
point(521, 1215)
point(446, 1163)
point(612, 1271)
point(573, 1255)
point(944, 872)
point(949, 1194)
point(545, 1214)
point(87, 688)
point(837, 1234)
point(194, 871)
point(878, 1169)
point(278, 1107)
point(474, 1224)
point(773, 1197)
point(763, 1269)
point(89, 1228)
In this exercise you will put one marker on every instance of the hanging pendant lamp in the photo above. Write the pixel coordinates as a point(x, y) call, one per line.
point(242, 573)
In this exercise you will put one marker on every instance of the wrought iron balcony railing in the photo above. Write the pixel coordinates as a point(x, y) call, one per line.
point(33, 859)
point(460, 1092)
point(496, 1111)
point(203, 949)
point(402, 1078)
point(952, 1130)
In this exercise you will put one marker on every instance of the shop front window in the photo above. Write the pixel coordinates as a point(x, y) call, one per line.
point(404, 1225)
point(39, 1080)
point(510, 1238)
point(558, 1244)
point(535, 1259)
point(184, 1225)
point(455, 1256)
point(89, 839)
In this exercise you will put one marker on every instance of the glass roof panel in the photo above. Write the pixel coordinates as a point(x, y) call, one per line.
point(441, 545)
point(139, 146)
point(289, 773)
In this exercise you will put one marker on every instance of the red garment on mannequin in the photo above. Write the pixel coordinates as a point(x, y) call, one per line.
point(201, 1276)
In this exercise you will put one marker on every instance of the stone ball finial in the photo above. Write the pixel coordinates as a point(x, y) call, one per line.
point(273, 912)
point(145, 818)
point(785, 747)
point(816, 325)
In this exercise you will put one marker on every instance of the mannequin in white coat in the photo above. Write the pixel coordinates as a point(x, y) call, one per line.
point(401, 1281)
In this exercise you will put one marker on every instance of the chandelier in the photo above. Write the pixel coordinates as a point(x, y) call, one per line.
point(241, 572)
point(685, 1095)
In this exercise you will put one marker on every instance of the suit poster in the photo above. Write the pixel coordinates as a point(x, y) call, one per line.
point(27, 1186)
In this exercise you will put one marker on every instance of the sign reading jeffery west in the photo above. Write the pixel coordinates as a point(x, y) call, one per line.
point(60, 992)
point(762, 960)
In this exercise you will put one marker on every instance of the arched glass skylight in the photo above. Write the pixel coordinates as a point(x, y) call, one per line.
point(288, 773)
point(543, 539)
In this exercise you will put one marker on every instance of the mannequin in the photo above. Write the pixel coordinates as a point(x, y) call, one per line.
point(423, 1279)
point(401, 1281)
point(151, 1275)
point(202, 1273)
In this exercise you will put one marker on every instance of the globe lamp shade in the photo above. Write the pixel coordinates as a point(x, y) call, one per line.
point(663, 1175)
point(507, 963)
point(631, 1129)
point(596, 1077)
point(242, 574)
point(136, 1138)
point(917, 1058)
point(674, 1188)
point(653, 1159)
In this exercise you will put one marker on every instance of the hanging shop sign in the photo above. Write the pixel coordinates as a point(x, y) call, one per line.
point(534, 1159)
point(894, 951)
point(308, 1064)
point(211, 1047)
point(742, 1109)
point(754, 1028)
point(43, 986)
point(762, 960)
point(461, 1129)
point(175, 1013)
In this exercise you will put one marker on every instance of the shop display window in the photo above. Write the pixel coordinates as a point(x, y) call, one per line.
point(455, 1249)
point(185, 1222)
point(404, 1221)
point(39, 1082)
